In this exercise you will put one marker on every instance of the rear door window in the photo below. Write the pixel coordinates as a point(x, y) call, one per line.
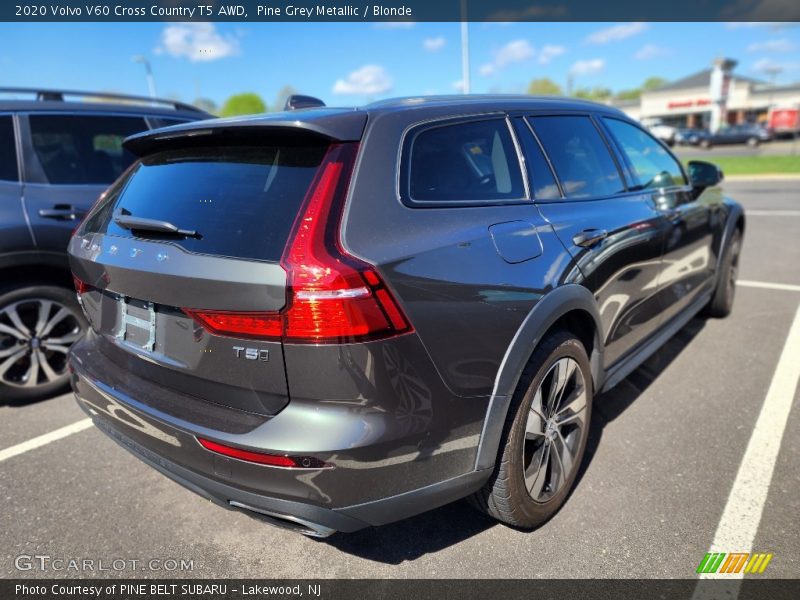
point(579, 155)
point(653, 166)
point(83, 149)
point(474, 161)
point(542, 182)
point(8, 150)
point(241, 200)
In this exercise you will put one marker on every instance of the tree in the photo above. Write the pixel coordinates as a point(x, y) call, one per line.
point(633, 94)
point(247, 103)
point(282, 96)
point(544, 87)
point(595, 93)
point(207, 105)
point(652, 83)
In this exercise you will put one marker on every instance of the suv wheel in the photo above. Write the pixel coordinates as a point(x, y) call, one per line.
point(38, 324)
point(753, 142)
point(545, 436)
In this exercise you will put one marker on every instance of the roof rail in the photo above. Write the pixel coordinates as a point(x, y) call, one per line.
point(44, 95)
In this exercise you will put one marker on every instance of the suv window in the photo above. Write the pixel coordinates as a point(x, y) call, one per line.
point(653, 166)
point(83, 149)
point(241, 200)
point(8, 154)
point(468, 161)
point(157, 122)
point(542, 182)
point(579, 155)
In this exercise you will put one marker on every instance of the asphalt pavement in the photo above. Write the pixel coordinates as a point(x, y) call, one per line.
point(665, 450)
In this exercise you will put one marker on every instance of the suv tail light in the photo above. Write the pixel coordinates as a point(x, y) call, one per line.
point(332, 297)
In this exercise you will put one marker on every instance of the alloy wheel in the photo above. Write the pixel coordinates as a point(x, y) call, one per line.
point(556, 420)
point(35, 337)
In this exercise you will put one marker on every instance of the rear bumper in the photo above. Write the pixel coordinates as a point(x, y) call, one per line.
point(365, 487)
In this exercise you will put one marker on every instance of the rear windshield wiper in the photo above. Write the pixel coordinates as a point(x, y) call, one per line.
point(126, 220)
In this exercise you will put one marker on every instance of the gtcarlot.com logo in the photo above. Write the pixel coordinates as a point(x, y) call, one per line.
point(45, 562)
point(734, 562)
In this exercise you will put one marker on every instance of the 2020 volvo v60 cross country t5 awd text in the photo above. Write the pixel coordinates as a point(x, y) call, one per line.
point(336, 318)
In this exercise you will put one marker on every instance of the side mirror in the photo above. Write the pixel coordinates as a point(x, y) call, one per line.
point(704, 174)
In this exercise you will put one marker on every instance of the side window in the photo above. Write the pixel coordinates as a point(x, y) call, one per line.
point(157, 122)
point(472, 161)
point(83, 149)
point(543, 183)
point(8, 150)
point(653, 166)
point(583, 164)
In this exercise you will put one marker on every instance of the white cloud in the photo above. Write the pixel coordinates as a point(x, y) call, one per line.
point(369, 79)
point(649, 51)
point(487, 70)
point(549, 52)
point(434, 44)
point(766, 65)
point(616, 33)
point(197, 42)
point(781, 45)
point(513, 52)
point(395, 25)
point(588, 67)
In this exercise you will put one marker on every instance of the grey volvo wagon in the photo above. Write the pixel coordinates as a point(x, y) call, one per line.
point(335, 318)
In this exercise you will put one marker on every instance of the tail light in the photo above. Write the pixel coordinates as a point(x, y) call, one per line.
point(262, 458)
point(332, 297)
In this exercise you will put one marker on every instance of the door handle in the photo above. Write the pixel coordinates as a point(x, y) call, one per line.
point(589, 237)
point(61, 212)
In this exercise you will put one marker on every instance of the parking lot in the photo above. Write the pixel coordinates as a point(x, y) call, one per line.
point(666, 449)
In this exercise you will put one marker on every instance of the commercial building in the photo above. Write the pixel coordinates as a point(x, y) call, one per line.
point(693, 100)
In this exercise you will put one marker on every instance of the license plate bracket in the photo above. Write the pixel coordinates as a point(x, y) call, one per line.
point(137, 323)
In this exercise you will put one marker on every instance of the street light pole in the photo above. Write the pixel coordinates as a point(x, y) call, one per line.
point(464, 48)
point(151, 82)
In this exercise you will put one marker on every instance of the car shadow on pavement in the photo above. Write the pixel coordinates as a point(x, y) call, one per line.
point(435, 530)
point(611, 404)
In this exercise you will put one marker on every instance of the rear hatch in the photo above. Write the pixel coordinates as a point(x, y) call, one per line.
point(198, 227)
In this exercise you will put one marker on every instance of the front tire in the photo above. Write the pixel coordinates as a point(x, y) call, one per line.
point(38, 325)
point(544, 437)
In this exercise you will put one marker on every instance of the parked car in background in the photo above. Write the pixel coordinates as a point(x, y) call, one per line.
point(784, 121)
point(665, 133)
point(751, 134)
point(333, 318)
point(691, 136)
point(58, 151)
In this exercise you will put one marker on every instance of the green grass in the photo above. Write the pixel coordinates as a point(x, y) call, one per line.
point(757, 165)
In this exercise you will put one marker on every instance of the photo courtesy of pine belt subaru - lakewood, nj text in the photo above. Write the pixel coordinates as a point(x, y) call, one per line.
point(336, 318)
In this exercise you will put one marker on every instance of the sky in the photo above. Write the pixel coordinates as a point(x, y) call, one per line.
point(353, 63)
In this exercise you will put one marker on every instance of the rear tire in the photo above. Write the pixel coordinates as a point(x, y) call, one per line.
point(38, 325)
point(544, 437)
point(721, 302)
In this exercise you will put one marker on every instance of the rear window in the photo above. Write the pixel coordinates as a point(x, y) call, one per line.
point(474, 161)
point(83, 149)
point(242, 201)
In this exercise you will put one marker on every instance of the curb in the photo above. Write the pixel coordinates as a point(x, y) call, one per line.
point(764, 177)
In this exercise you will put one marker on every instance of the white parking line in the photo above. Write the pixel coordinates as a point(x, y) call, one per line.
point(773, 213)
point(785, 287)
point(740, 520)
point(45, 439)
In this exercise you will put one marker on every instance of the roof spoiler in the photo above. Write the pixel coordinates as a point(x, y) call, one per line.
point(298, 101)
